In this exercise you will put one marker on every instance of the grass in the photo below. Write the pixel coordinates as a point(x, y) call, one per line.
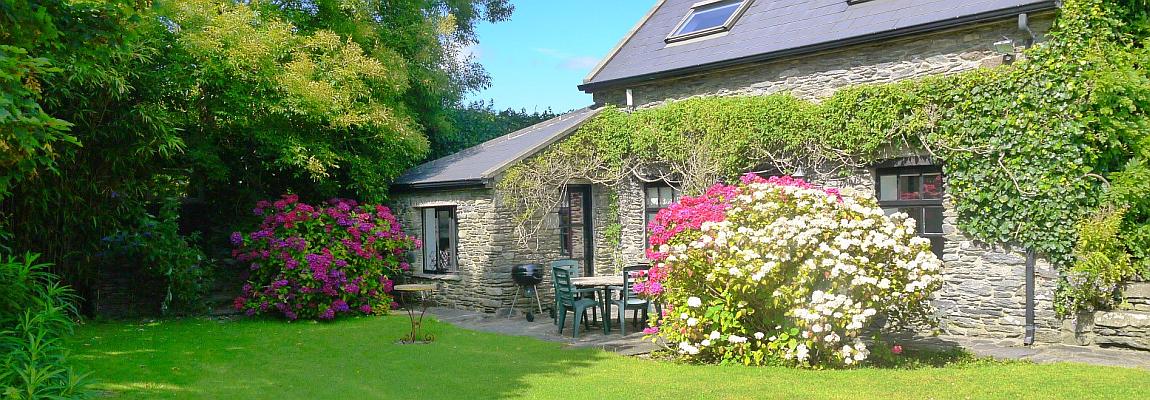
point(358, 359)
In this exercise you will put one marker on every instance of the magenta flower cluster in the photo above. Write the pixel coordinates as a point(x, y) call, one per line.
point(321, 262)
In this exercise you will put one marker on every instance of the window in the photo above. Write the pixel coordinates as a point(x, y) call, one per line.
point(708, 17)
point(658, 196)
point(566, 231)
point(916, 191)
point(440, 240)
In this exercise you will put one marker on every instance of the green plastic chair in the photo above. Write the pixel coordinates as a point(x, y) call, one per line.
point(573, 266)
point(628, 300)
point(565, 300)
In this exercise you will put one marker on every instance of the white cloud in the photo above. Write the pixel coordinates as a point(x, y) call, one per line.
point(569, 61)
point(581, 63)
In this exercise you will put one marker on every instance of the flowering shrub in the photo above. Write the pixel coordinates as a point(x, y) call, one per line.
point(777, 271)
point(320, 262)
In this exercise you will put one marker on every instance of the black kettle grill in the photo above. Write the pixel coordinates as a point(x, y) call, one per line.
point(527, 277)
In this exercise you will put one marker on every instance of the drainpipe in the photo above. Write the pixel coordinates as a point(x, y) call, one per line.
point(1024, 26)
point(1028, 339)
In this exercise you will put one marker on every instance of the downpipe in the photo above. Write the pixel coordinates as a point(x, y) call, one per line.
point(1028, 339)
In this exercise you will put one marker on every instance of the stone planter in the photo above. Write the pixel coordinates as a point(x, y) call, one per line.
point(1079, 330)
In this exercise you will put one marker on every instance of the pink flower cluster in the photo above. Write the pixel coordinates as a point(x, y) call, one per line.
point(688, 213)
point(320, 262)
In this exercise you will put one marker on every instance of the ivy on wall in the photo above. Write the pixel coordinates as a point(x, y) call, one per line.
point(1027, 149)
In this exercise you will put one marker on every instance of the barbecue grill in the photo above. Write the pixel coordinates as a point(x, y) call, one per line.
point(527, 277)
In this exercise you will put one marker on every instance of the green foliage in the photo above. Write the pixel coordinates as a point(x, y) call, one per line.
point(1022, 146)
point(110, 87)
point(1130, 189)
point(324, 98)
point(35, 314)
point(224, 101)
point(154, 246)
point(1101, 264)
point(28, 135)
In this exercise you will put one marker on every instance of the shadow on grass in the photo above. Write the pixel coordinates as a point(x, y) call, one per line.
point(353, 358)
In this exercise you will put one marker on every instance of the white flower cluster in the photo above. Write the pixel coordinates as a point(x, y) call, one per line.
point(828, 264)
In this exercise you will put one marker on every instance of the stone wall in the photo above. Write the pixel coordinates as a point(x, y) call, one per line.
point(475, 216)
point(1128, 325)
point(818, 75)
point(632, 205)
point(490, 246)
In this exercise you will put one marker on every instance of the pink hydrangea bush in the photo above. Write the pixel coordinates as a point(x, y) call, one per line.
point(778, 271)
point(321, 262)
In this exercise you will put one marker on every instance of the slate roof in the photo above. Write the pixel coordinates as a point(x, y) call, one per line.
point(477, 165)
point(779, 28)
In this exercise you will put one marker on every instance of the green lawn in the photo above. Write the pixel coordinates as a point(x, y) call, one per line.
point(358, 359)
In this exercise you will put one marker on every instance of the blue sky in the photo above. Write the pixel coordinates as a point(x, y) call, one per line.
point(538, 57)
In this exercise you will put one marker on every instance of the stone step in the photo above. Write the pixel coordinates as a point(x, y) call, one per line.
point(1122, 328)
point(1137, 295)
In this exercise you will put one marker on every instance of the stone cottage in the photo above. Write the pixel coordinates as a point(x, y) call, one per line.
point(686, 48)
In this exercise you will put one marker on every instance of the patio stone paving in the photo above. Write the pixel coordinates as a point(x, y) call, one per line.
point(633, 344)
point(544, 329)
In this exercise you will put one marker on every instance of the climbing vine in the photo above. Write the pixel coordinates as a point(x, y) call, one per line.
point(1027, 149)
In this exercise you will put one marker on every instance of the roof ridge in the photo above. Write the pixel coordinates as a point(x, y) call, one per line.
point(540, 125)
point(477, 164)
point(619, 46)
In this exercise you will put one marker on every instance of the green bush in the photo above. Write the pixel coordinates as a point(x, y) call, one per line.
point(35, 313)
point(156, 245)
point(779, 272)
point(1101, 264)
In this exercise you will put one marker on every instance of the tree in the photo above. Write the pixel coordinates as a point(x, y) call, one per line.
point(113, 110)
point(320, 98)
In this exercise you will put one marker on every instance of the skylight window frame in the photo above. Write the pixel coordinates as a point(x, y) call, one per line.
point(726, 26)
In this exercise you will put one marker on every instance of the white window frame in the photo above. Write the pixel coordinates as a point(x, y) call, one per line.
point(674, 36)
point(429, 218)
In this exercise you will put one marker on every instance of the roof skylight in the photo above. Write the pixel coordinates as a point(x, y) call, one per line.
point(708, 17)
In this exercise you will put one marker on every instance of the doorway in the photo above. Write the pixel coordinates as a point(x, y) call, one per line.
point(576, 227)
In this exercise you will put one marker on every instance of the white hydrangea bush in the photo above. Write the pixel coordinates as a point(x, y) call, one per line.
point(777, 271)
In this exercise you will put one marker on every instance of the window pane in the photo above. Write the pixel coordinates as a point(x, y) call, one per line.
point(916, 213)
point(564, 217)
point(665, 196)
point(652, 197)
point(888, 187)
point(565, 242)
point(889, 211)
point(445, 228)
point(932, 219)
point(430, 234)
point(703, 18)
point(932, 186)
point(909, 187)
point(936, 245)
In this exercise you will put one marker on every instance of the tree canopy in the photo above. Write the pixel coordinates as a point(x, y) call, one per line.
point(112, 109)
